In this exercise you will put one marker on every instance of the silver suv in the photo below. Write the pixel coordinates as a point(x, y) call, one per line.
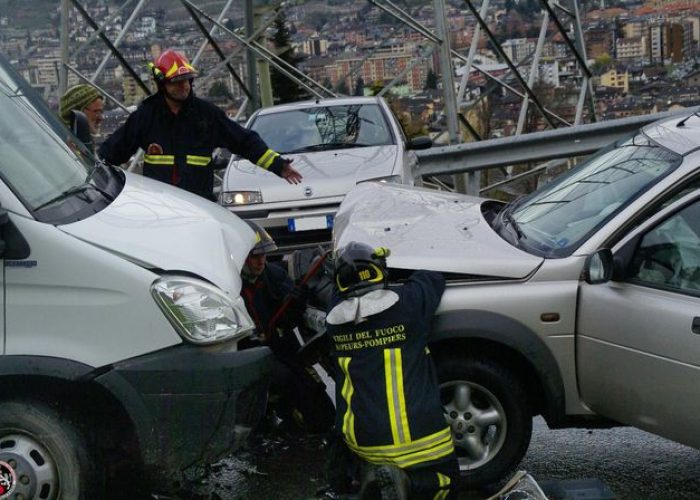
point(579, 302)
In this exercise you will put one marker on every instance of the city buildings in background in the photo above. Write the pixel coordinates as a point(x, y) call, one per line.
point(643, 55)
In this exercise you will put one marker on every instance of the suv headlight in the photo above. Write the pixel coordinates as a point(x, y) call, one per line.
point(388, 178)
point(229, 198)
point(200, 312)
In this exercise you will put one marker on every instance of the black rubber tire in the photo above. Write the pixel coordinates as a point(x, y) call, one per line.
point(489, 381)
point(52, 439)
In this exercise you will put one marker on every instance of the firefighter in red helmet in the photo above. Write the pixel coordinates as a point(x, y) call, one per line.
point(178, 133)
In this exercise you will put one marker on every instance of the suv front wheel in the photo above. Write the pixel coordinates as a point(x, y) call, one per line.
point(488, 412)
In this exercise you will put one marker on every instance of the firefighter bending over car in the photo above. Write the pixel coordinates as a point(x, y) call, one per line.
point(178, 133)
point(387, 396)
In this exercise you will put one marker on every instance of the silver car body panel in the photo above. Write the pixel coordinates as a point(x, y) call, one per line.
point(634, 343)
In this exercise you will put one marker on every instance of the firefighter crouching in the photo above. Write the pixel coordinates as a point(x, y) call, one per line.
point(387, 395)
point(178, 132)
point(297, 396)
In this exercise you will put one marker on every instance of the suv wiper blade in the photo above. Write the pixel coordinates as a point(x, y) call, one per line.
point(510, 220)
point(553, 202)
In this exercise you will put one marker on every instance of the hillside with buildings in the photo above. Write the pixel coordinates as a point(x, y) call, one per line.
point(643, 56)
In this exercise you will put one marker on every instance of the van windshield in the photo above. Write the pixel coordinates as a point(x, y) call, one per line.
point(39, 159)
point(555, 220)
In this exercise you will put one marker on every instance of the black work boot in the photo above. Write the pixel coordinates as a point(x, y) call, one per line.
point(392, 482)
point(369, 489)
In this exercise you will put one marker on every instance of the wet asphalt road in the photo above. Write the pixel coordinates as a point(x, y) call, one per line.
point(635, 465)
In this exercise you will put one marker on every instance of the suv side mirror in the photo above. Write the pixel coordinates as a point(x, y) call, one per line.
point(421, 142)
point(623, 258)
point(4, 219)
point(598, 267)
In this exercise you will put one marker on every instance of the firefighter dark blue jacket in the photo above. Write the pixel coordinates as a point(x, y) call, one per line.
point(264, 296)
point(178, 148)
point(387, 395)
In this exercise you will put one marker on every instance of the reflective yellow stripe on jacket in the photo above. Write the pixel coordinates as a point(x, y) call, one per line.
point(265, 161)
point(426, 449)
point(159, 159)
point(396, 401)
point(192, 160)
point(348, 418)
point(198, 161)
point(404, 451)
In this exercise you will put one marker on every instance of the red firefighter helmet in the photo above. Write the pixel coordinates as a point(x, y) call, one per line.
point(172, 66)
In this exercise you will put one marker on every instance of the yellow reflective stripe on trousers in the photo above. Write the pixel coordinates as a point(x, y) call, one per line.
point(441, 495)
point(198, 161)
point(159, 159)
point(395, 399)
point(426, 449)
point(444, 485)
point(443, 480)
point(347, 392)
point(266, 159)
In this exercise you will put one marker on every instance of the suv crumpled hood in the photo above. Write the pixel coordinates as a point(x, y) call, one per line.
point(159, 226)
point(428, 229)
point(327, 173)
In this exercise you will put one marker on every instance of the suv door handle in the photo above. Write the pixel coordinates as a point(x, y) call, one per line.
point(696, 324)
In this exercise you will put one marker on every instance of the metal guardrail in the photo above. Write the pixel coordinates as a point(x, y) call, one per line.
point(533, 147)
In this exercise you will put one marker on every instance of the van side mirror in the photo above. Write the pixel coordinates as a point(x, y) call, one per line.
point(421, 142)
point(80, 126)
point(598, 267)
point(12, 243)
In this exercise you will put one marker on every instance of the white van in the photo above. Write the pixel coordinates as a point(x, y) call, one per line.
point(120, 317)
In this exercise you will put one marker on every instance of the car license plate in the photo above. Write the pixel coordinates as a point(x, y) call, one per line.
point(310, 223)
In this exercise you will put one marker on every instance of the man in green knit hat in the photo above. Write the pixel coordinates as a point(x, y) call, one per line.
point(86, 99)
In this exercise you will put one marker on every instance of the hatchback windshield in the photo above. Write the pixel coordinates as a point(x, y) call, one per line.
point(34, 159)
point(555, 220)
point(322, 128)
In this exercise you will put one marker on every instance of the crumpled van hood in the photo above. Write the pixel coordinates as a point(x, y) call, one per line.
point(429, 229)
point(162, 227)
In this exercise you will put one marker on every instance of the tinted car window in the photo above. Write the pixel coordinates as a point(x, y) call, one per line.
point(669, 255)
point(321, 128)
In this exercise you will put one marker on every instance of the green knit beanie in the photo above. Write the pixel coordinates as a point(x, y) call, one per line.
point(78, 97)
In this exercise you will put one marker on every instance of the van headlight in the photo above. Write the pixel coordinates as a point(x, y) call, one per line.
point(234, 198)
point(200, 312)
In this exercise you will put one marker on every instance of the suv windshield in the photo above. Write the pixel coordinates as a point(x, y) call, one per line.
point(555, 220)
point(323, 128)
point(39, 160)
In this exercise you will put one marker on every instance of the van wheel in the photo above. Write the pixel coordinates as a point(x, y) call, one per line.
point(48, 454)
point(487, 410)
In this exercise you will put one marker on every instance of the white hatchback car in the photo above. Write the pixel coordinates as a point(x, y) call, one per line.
point(335, 144)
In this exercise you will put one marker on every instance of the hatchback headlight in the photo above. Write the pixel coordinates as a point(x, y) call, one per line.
point(233, 198)
point(200, 312)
